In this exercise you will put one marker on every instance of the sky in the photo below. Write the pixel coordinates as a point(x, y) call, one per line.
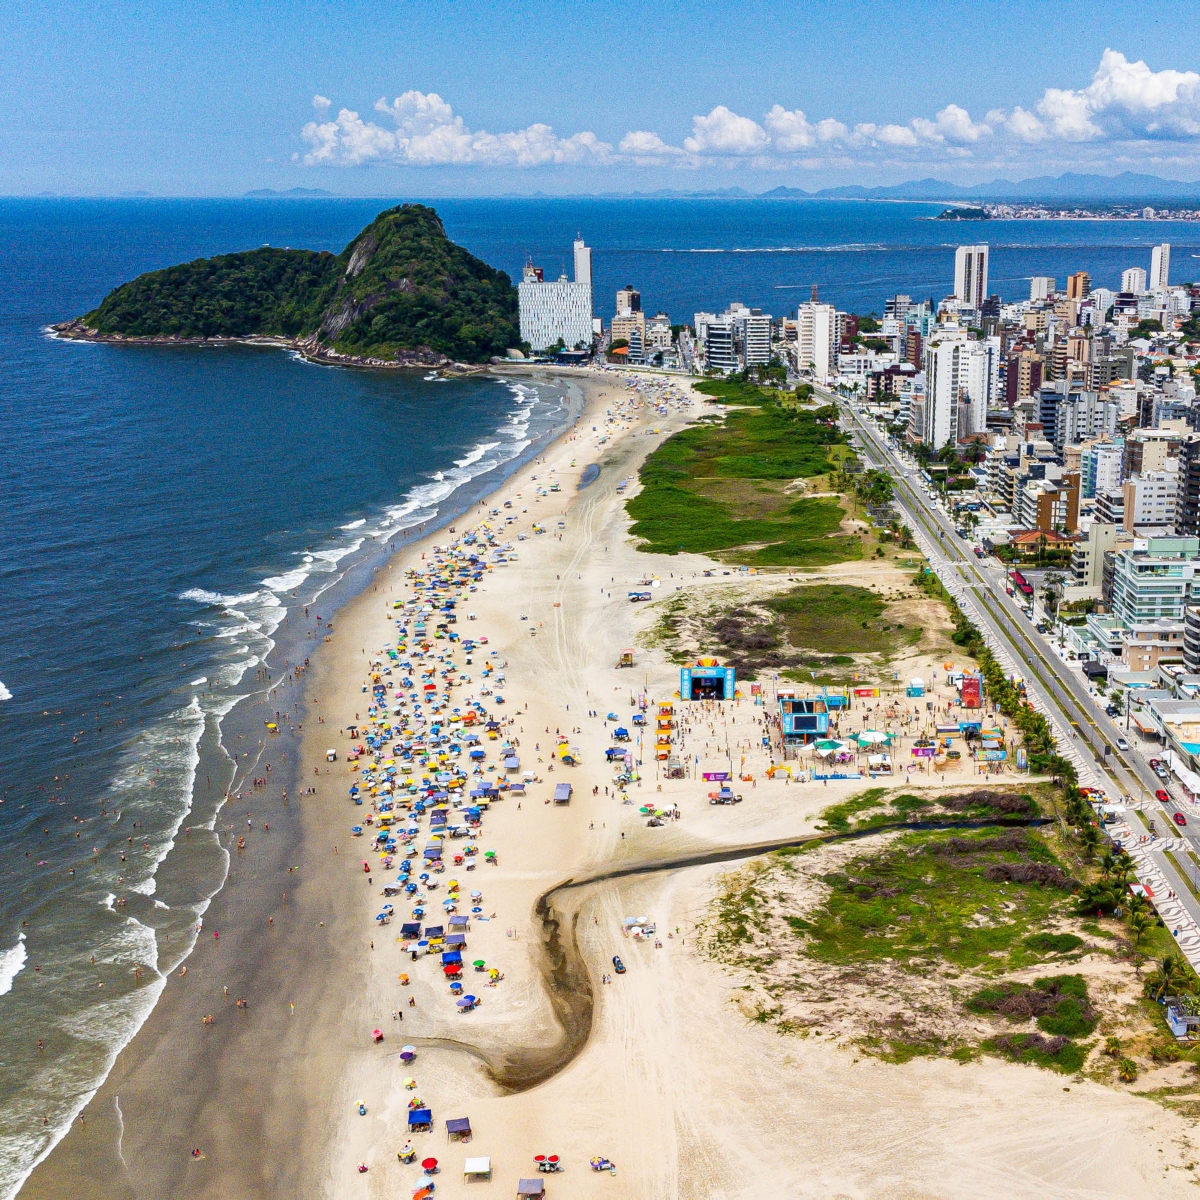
point(365, 98)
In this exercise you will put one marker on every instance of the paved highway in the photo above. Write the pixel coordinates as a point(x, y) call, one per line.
point(1091, 739)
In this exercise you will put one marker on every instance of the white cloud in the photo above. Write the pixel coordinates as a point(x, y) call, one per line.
point(725, 133)
point(428, 133)
point(1125, 102)
point(643, 145)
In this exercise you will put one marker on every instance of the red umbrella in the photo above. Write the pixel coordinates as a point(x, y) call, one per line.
point(452, 969)
point(429, 1164)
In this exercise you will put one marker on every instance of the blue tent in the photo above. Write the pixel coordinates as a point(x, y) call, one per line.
point(420, 1118)
point(451, 956)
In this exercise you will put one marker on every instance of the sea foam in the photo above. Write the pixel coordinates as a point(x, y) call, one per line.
point(12, 963)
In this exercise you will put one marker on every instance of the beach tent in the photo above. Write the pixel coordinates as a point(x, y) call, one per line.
point(531, 1187)
point(872, 737)
point(478, 1168)
point(459, 1128)
point(562, 793)
point(420, 1118)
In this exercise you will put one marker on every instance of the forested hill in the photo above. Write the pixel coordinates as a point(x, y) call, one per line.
point(400, 291)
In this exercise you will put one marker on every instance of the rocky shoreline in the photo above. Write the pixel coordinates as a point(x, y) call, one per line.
point(309, 348)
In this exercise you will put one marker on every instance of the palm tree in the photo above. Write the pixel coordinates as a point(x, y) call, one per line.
point(1108, 862)
point(1089, 839)
point(1139, 925)
point(1169, 977)
point(1052, 590)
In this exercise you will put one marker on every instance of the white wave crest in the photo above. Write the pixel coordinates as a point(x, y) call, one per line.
point(5, 694)
point(12, 963)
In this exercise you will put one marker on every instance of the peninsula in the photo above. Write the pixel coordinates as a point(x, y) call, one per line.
point(400, 294)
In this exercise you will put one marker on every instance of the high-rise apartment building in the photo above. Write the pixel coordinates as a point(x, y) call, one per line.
point(1160, 267)
point(720, 353)
point(1187, 506)
point(817, 337)
point(583, 262)
point(971, 274)
point(946, 356)
point(912, 347)
point(555, 311)
point(628, 300)
point(1079, 285)
point(1041, 287)
point(755, 330)
point(1024, 375)
point(1133, 280)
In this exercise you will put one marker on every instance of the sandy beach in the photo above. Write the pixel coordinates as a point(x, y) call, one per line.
point(659, 1070)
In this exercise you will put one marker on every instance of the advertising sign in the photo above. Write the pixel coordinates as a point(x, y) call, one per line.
point(1022, 758)
point(716, 776)
point(923, 751)
point(972, 691)
point(990, 755)
point(866, 692)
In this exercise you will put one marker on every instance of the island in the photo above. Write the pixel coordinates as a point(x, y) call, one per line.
point(964, 213)
point(400, 294)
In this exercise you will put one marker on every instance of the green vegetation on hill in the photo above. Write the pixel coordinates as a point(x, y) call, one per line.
point(718, 487)
point(401, 288)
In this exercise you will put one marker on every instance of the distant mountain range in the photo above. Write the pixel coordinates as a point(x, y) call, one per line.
point(1127, 186)
point(296, 193)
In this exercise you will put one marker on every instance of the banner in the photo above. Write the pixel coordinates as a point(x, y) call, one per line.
point(716, 776)
point(990, 755)
point(923, 751)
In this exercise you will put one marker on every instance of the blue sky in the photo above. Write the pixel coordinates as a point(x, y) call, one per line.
point(413, 97)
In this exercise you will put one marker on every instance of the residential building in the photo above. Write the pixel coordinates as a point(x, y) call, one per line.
point(971, 275)
point(553, 312)
point(1110, 506)
point(1160, 267)
point(1145, 644)
point(1150, 499)
point(720, 352)
point(1079, 285)
point(1187, 508)
point(1100, 468)
point(1191, 639)
point(626, 324)
point(1087, 555)
point(658, 332)
point(1041, 287)
point(946, 356)
point(629, 300)
point(1159, 581)
point(583, 261)
point(817, 338)
point(912, 347)
point(1133, 281)
point(755, 330)
point(1023, 375)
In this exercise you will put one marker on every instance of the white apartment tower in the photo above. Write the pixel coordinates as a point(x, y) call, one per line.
point(1160, 267)
point(1134, 280)
point(559, 310)
point(817, 335)
point(1041, 287)
point(971, 275)
point(583, 262)
point(946, 373)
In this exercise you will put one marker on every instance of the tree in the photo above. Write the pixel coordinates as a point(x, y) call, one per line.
point(1089, 839)
point(1052, 591)
point(1139, 925)
point(1169, 977)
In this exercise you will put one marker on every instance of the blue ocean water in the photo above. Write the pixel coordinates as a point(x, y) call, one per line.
point(163, 510)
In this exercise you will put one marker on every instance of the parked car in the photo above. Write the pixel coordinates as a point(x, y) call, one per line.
point(1163, 796)
point(1179, 818)
point(1122, 744)
point(618, 965)
point(1111, 709)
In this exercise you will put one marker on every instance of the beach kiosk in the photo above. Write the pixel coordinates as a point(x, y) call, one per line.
point(707, 680)
point(477, 1168)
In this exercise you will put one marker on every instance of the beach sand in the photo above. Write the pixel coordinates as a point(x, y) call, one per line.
point(672, 1083)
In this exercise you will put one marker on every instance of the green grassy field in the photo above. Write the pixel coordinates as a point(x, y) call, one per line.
point(718, 488)
point(961, 899)
point(840, 619)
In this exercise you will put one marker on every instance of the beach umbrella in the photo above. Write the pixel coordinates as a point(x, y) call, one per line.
point(410, 1084)
point(429, 1164)
point(479, 962)
point(463, 1003)
point(477, 909)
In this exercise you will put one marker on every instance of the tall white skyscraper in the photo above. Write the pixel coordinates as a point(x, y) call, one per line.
point(816, 338)
point(1134, 280)
point(946, 357)
point(1160, 266)
point(971, 275)
point(583, 262)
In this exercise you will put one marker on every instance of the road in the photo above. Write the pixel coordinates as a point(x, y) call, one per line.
point(1084, 732)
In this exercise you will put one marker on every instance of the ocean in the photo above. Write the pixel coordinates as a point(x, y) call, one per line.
point(163, 510)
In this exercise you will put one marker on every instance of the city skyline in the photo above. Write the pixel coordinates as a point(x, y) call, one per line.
point(372, 100)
